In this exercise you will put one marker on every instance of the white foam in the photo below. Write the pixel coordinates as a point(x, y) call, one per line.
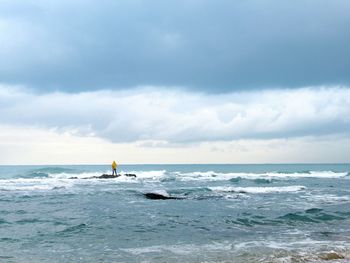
point(311, 174)
point(57, 180)
point(197, 176)
point(158, 175)
point(44, 184)
point(184, 249)
point(328, 198)
point(64, 181)
point(34, 184)
point(76, 175)
point(258, 190)
point(214, 176)
point(153, 175)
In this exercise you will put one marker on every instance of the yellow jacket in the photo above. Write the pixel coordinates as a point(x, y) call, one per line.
point(114, 165)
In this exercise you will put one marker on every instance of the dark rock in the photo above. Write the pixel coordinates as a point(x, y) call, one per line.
point(155, 196)
point(130, 175)
point(331, 256)
point(106, 176)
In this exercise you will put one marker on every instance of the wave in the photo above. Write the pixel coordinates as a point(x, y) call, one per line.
point(46, 172)
point(36, 174)
point(34, 184)
point(315, 216)
point(153, 175)
point(40, 181)
point(258, 190)
point(264, 181)
point(309, 216)
point(60, 178)
point(54, 170)
point(168, 176)
point(258, 177)
point(69, 173)
point(247, 251)
point(73, 230)
point(327, 198)
point(312, 174)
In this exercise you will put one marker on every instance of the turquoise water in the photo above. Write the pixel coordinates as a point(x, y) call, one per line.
point(225, 213)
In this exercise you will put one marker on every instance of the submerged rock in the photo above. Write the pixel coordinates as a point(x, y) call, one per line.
point(130, 175)
point(331, 256)
point(155, 196)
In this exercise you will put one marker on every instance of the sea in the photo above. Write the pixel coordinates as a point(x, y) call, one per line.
point(220, 213)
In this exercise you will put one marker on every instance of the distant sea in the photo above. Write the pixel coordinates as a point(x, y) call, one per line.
point(224, 213)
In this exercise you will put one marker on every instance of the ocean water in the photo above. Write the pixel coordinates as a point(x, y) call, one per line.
point(224, 213)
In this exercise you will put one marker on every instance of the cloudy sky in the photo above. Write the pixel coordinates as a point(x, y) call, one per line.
point(192, 81)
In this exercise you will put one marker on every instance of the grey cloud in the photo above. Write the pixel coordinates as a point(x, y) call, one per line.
point(205, 45)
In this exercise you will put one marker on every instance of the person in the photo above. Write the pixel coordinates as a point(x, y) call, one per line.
point(114, 168)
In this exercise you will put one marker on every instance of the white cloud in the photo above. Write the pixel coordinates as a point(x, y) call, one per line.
point(154, 125)
point(23, 145)
point(180, 117)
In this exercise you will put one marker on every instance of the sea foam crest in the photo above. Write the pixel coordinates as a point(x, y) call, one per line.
point(87, 175)
point(68, 180)
point(34, 184)
point(83, 175)
point(258, 190)
point(148, 174)
point(312, 174)
point(216, 176)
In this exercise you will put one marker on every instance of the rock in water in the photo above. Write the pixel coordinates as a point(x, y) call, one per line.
point(155, 196)
point(107, 176)
point(331, 256)
point(130, 175)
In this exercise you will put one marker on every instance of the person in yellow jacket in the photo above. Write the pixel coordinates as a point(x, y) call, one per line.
point(114, 168)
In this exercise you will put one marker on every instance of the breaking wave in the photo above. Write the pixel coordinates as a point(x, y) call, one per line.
point(258, 190)
point(53, 178)
point(215, 176)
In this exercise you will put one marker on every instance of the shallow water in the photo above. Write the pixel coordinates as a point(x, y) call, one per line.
point(225, 213)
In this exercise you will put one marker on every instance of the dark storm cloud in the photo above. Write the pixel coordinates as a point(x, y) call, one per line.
point(206, 45)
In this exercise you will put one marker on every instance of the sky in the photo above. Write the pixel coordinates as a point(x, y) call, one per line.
point(178, 81)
